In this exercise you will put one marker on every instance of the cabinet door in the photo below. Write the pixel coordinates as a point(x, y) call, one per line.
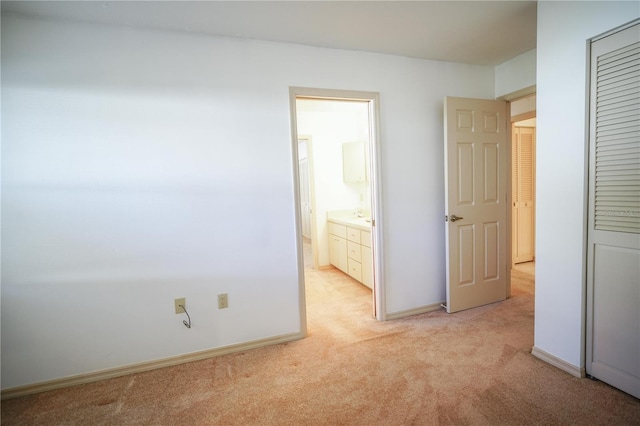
point(338, 252)
point(337, 230)
point(355, 269)
point(367, 266)
point(353, 162)
point(365, 238)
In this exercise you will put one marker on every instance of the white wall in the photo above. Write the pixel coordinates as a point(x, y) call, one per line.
point(516, 74)
point(563, 31)
point(140, 166)
point(523, 105)
point(330, 124)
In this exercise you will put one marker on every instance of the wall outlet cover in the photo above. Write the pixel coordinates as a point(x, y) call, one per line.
point(223, 301)
point(177, 303)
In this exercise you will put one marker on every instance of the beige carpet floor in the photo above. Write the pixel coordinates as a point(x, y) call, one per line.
point(469, 368)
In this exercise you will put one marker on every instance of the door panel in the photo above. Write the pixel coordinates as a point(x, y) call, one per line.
point(475, 191)
point(467, 238)
point(491, 251)
point(615, 270)
point(465, 174)
point(613, 260)
point(490, 167)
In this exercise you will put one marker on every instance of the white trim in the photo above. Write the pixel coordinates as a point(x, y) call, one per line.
point(144, 366)
point(373, 98)
point(518, 94)
point(302, 303)
point(615, 30)
point(563, 365)
point(524, 116)
point(314, 230)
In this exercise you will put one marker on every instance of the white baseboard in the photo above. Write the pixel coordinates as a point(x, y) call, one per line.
point(143, 366)
point(416, 311)
point(559, 363)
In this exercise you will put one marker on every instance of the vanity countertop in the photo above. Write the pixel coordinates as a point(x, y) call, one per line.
point(363, 223)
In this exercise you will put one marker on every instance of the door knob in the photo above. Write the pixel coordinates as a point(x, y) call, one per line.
point(453, 218)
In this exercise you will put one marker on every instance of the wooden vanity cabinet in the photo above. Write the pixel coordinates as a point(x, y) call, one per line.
point(338, 246)
point(367, 259)
point(350, 251)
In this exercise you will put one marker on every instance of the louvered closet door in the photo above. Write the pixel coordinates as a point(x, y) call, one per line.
point(522, 184)
point(613, 272)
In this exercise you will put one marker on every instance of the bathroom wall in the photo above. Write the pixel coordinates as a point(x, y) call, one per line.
point(330, 124)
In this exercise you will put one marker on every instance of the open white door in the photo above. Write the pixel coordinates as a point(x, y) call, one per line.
point(475, 201)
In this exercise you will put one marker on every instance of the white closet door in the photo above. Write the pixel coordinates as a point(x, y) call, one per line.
point(613, 264)
point(523, 194)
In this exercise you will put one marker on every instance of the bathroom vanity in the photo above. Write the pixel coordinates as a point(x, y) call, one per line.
point(350, 247)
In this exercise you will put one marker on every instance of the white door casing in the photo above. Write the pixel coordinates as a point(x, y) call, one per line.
point(305, 188)
point(377, 242)
point(475, 201)
point(613, 233)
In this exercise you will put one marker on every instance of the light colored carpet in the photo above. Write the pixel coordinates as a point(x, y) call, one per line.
point(469, 368)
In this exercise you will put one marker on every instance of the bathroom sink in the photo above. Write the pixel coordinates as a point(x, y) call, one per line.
point(362, 221)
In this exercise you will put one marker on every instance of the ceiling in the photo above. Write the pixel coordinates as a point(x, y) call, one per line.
point(472, 32)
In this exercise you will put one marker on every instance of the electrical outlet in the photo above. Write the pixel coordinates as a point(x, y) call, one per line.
point(223, 301)
point(177, 303)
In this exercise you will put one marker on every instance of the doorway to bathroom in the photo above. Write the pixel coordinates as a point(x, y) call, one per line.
point(335, 149)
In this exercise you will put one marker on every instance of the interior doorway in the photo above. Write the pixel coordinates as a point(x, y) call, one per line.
point(523, 172)
point(328, 126)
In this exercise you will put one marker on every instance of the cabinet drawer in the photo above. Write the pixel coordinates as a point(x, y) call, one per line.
point(353, 235)
point(337, 229)
point(354, 251)
point(355, 269)
point(365, 238)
